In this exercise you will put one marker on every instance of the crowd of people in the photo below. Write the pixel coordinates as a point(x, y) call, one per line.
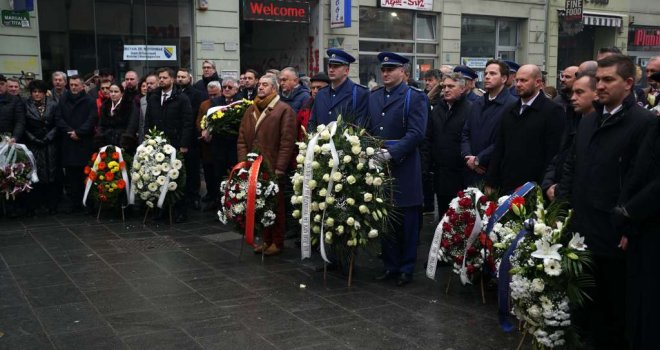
point(592, 143)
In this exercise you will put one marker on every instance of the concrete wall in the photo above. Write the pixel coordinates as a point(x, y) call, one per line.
point(19, 47)
point(218, 25)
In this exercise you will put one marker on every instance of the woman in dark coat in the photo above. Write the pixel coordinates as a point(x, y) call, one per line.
point(41, 137)
point(223, 147)
point(117, 125)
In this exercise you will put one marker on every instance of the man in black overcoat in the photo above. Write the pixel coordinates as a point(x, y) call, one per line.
point(78, 117)
point(606, 144)
point(169, 111)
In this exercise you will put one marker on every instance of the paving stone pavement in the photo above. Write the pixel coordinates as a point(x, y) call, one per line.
point(70, 282)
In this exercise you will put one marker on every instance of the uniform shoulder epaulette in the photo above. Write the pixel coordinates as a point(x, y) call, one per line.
point(362, 86)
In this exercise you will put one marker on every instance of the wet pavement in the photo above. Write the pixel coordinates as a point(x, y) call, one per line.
point(70, 282)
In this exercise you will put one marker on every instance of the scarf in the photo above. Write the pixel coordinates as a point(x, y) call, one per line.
point(261, 103)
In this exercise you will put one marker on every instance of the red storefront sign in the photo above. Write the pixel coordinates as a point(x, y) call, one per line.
point(276, 10)
point(644, 39)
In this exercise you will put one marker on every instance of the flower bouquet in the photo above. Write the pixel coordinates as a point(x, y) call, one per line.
point(341, 197)
point(17, 169)
point(460, 237)
point(548, 278)
point(225, 119)
point(248, 197)
point(503, 233)
point(158, 175)
point(107, 177)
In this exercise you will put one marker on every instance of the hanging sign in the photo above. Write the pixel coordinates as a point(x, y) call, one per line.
point(150, 53)
point(340, 13)
point(573, 10)
point(425, 5)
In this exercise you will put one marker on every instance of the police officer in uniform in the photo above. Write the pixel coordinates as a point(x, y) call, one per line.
point(511, 83)
point(342, 96)
point(398, 114)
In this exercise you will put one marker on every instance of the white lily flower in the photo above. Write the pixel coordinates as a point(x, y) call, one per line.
point(546, 251)
point(577, 242)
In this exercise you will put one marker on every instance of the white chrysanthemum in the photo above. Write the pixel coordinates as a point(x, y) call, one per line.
point(146, 177)
point(135, 176)
point(340, 230)
point(336, 176)
point(347, 159)
point(377, 181)
point(363, 209)
point(350, 221)
point(155, 171)
point(330, 222)
point(312, 184)
point(172, 186)
point(149, 149)
point(296, 214)
point(160, 180)
point(144, 196)
point(323, 192)
point(370, 151)
point(538, 285)
point(136, 165)
point(173, 174)
point(350, 201)
point(368, 197)
point(165, 167)
point(338, 187)
point(356, 149)
point(168, 149)
point(351, 179)
point(152, 187)
point(300, 159)
point(326, 177)
point(360, 166)
point(177, 164)
point(151, 142)
point(160, 157)
point(315, 165)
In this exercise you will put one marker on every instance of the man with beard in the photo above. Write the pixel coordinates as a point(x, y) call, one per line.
point(398, 113)
point(568, 76)
point(342, 96)
point(209, 74)
point(528, 137)
point(78, 117)
point(292, 92)
point(582, 103)
point(599, 163)
point(131, 88)
point(269, 125)
point(480, 130)
point(443, 139)
point(169, 110)
point(249, 89)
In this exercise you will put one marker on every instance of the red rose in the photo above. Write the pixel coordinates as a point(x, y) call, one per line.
point(109, 176)
point(472, 251)
point(446, 227)
point(468, 230)
point(456, 239)
point(483, 199)
point(465, 202)
point(491, 208)
point(518, 201)
point(101, 166)
point(115, 155)
point(460, 194)
point(458, 259)
point(465, 216)
point(87, 170)
point(121, 184)
point(450, 211)
point(470, 269)
point(444, 244)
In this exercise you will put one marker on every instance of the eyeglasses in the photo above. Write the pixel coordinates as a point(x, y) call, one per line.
point(227, 87)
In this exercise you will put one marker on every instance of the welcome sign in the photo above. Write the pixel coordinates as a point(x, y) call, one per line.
point(276, 10)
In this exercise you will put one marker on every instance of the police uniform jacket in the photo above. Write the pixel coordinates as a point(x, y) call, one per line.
point(329, 103)
point(405, 126)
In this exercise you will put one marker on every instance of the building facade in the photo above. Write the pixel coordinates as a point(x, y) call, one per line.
point(85, 35)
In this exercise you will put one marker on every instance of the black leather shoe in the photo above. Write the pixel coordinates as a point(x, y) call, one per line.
point(387, 275)
point(403, 279)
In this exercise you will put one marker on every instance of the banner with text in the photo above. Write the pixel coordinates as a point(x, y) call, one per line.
point(276, 10)
point(426, 5)
point(340, 13)
point(149, 52)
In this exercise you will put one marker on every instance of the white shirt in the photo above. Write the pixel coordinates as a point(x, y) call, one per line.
point(164, 96)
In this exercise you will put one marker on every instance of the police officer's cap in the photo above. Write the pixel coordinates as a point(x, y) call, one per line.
point(513, 66)
point(338, 56)
point(391, 59)
point(466, 72)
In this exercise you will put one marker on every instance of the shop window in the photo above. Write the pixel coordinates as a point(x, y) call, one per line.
point(391, 30)
point(487, 37)
point(87, 35)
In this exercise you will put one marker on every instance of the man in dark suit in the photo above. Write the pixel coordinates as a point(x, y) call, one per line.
point(169, 110)
point(342, 96)
point(600, 161)
point(193, 162)
point(76, 125)
point(528, 137)
point(398, 113)
point(443, 139)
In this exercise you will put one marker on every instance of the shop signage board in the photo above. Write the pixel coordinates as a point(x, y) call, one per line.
point(276, 10)
point(422, 5)
point(150, 53)
point(573, 10)
point(16, 18)
point(644, 38)
point(340, 13)
point(475, 62)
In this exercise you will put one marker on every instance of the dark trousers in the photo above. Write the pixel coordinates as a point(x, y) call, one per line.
point(400, 245)
point(44, 195)
point(212, 189)
point(427, 188)
point(223, 151)
point(193, 181)
point(602, 321)
point(75, 180)
point(443, 203)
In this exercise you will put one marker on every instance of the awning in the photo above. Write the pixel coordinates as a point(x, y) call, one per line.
point(592, 19)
